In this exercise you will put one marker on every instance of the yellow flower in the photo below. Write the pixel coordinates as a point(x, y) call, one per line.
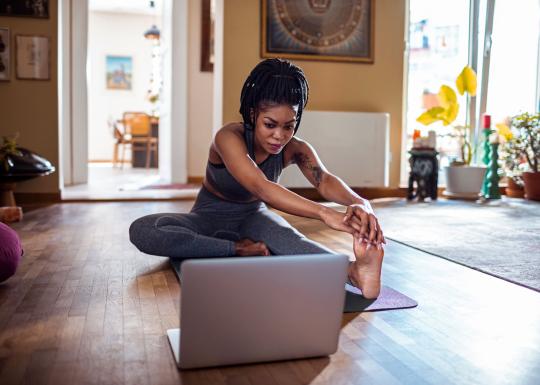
point(450, 114)
point(466, 81)
point(504, 130)
point(446, 96)
point(430, 116)
point(448, 108)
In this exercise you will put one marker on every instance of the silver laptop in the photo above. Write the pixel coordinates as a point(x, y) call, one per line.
point(255, 309)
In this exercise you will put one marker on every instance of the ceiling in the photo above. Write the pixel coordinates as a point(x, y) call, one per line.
point(139, 7)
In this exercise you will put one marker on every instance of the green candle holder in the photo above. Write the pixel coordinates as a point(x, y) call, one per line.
point(492, 175)
point(485, 159)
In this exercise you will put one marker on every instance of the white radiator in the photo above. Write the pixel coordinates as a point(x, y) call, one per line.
point(352, 145)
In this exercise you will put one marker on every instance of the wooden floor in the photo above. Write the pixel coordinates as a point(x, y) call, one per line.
point(85, 307)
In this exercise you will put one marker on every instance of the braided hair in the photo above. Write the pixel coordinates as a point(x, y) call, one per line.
point(273, 81)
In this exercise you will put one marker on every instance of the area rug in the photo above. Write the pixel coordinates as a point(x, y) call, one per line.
point(389, 299)
point(500, 237)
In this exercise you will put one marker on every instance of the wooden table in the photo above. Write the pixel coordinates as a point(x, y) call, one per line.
point(138, 158)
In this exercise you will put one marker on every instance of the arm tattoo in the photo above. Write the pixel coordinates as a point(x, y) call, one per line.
point(303, 161)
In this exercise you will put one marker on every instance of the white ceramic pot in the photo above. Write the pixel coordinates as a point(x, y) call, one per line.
point(463, 181)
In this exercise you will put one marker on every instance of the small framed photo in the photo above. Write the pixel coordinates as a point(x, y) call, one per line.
point(119, 72)
point(32, 57)
point(340, 31)
point(25, 8)
point(5, 57)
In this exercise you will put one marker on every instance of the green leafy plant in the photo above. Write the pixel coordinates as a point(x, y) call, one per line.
point(448, 108)
point(524, 147)
point(511, 161)
point(9, 147)
point(153, 98)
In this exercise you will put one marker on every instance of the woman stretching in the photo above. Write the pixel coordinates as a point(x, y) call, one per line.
point(230, 216)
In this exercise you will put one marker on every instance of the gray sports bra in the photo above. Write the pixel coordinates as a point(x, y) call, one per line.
point(221, 179)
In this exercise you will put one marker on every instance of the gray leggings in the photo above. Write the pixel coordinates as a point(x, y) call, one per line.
point(212, 227)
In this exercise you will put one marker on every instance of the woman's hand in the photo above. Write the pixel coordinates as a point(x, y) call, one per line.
point(360, 216)
point(247, 247)
point(336, 220)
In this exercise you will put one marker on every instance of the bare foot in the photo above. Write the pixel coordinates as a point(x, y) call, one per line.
point(246, 247)
point(365, 272)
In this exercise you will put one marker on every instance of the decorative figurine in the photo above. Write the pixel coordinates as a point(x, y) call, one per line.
point(424, 174)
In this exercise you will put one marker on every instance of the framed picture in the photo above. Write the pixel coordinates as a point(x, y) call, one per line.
point(207, 36)
point(32, 57)
point(318, 29)
point(119, 71)
point(5, 56)
point(25, 8)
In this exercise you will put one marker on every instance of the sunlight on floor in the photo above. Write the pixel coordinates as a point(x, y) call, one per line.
point(107, 182)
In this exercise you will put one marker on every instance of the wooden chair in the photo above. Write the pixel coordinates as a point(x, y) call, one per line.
point(120, 140)
point(137, 133)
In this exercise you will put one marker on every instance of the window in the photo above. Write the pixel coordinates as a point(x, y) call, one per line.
point(439, 48)
point(514, 59)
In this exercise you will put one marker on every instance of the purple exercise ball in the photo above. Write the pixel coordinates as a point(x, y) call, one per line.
point(10, 251)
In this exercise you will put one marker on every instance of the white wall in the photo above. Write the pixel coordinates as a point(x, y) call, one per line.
point(362, 136)
point(116, 34)
point(200, 97)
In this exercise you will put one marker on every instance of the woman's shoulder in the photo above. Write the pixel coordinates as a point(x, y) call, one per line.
point(232, 127)
point(297, 144)
point(230, 131)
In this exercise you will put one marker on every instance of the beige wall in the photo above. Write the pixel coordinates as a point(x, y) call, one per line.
point(374, 87)
point(30, 107)
point(200, 97)
point(33, 105)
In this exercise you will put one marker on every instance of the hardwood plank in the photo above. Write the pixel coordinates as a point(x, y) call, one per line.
point(86, 307)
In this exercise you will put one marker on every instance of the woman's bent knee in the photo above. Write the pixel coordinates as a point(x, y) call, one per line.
point(160, 234)
point(137, 231)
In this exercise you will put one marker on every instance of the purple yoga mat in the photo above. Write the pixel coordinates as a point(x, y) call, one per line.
point(388, 299)
point(354, 302)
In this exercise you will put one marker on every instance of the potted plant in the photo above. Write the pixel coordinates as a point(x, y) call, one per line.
point(462, 179)
point(8, 147)
point(511, 160)
point(18, 164)
point(524, 151)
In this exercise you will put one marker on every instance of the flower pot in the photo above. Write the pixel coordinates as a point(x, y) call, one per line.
point(463, 181)
point(531, 181)
point(514, 190)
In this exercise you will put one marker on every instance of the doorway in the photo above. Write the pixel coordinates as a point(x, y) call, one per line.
point(118, 58)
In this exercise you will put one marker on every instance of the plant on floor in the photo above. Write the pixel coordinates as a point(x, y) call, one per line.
point(8, 147)
point(522, 152)
point(448, 108)
point(527, 139)
point(511, 159)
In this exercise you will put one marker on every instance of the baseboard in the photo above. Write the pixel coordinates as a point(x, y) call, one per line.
point(127, 161)
point(22, 198)
point(195, 179)
point(365, 192)
point(368, 192)
point(310, 193)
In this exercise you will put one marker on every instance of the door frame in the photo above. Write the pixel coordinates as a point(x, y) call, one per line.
point(73, 92)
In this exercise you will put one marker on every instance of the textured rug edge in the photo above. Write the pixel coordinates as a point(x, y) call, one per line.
point(465, 265)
